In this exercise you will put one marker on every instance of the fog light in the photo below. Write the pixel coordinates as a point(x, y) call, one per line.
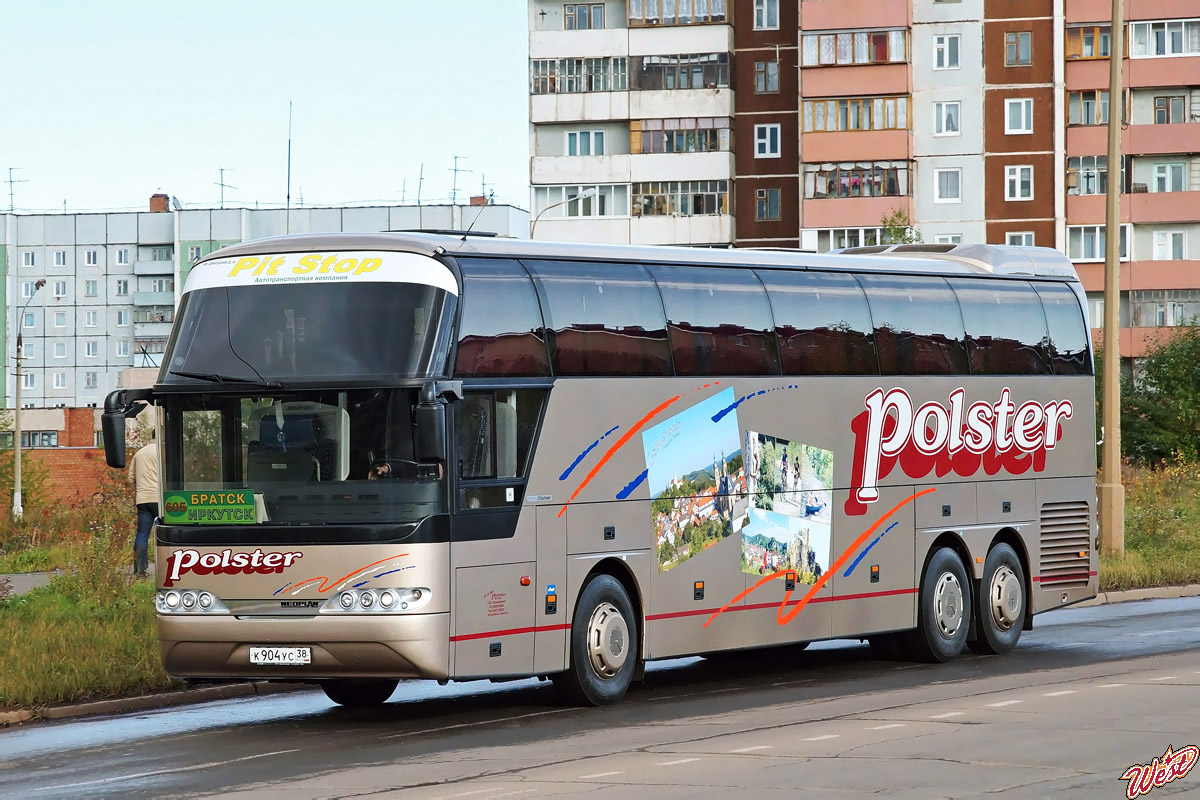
point(403, 606)
point(205, 600)
point(416, 594)
point(347, 600)
point(367, 599)
point(387, 599)
point(172, 600)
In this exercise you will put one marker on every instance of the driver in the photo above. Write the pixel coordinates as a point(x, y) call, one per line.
point(402, 468)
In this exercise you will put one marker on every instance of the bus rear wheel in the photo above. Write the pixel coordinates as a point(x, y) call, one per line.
point(604, 645)
point(1001, 608)
point(359, 693)
point(943, 612)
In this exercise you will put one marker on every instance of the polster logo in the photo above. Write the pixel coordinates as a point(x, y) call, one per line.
point(1143, 778)
point(948, 438)
point(226, 562)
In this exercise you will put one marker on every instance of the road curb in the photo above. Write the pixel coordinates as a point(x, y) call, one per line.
point(150, 701)
point(1154, 593)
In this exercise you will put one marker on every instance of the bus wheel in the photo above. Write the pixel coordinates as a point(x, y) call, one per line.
point(359, 693)
point(944, 612)
point(604, 645)
point(1001, 607)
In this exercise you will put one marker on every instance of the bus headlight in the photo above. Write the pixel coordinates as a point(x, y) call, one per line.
point(190, 601)
point(377, 601)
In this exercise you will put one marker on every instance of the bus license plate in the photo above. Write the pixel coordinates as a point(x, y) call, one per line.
point(280, 656)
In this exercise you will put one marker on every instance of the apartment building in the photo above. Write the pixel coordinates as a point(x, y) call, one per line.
point(113, 281)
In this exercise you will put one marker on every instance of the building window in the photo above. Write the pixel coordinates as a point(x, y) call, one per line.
point(945, 119)
point(766, 204)
point(28, 380)
point(60, 288)
point(857, 179)
point(585, 143)
point(60, 380)
point(571, 75)
point(766, 15)
point(1018, 182)
point(583, 16)
point(766, 141)
point(123, 256)
point(193, 253)
point(122, 319)
point(1087, 175)
point(602, 201)
point(122, 288)
point(60, 319)
point(90, 380)
point(686, 135)
point(680, 198)
point(854, 47)
point(1019, 238)
point(1169, 177)
point(122, 348)
point(91, 258)
point(1086, 242)
point(947, 185)
point(856, 114)
point(28, 288)
point(1087, 108)
point(89, 319)
point(160, 254)
point(1018, 115)
point(28, 349)
point(60, 258)
point(1170, 245)
point(766, 77)
point(28, 259)
point(91, 349)
point(60, 349)
point(1177, 37)
point(34, 438)
point(1169, 110)
point(688, 71)
point(28, 320)
point(948, 238)
point(837, 238)
point(1018, 48)
point(657, 12)
point(1088, 42)
point(945, 51)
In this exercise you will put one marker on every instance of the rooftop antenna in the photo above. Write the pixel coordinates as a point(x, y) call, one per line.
point(224, 185)
point(403, 188)
point(288, 213)
point(10, 182)
point(454, 190)
point(420, 210)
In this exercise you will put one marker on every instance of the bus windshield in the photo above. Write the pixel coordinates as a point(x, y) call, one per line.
point(302, 458)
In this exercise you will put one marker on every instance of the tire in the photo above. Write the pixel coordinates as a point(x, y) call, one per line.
point(359, 693)
point(604, 645)
point(944, 611)
point(1000, 608)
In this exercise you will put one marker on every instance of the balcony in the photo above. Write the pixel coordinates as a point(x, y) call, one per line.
point(652, 41)
point(151, 330)
point(559, 170)
point(851, 212)
point(856, 145)
point(578, 44)
point(682, 230)
point(1138, 72)
point(1139, 207)
point(154, 298)
point(154, 268)
point(583, 106)
point(668, 103)
point(716, 166)
point(1139, 275)
point(1136, 140)
point(818, 15)
point(611, 230)
point(867, 80)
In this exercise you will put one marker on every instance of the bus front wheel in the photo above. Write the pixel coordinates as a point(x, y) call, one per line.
point(604, 645)
point(943, 612)
point(1001, 608)
point(359, 693)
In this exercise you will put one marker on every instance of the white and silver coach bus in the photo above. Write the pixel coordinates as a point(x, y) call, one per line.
point(391, 456)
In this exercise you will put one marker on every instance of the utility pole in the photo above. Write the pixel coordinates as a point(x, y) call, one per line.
point(456, 170)
point(224, 185)
point(18, 507)
point(288, 216)
point(10, 182)
point(1112, 492)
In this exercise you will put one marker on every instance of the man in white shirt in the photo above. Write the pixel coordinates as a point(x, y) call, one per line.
point(143, 474)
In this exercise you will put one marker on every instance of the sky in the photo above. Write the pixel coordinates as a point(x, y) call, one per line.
point(107, 103)
point(688, 441)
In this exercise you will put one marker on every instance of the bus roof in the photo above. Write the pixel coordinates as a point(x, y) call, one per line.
point(963, 259)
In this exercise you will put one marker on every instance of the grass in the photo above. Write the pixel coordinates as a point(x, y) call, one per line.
point(1162, 530)
point(35, 559)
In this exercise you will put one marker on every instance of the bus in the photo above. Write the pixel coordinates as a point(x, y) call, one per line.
point(460, 457)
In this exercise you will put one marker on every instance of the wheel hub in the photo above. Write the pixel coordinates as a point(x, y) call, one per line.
point(948, 604)
point(1006, 600)
point(608, 638)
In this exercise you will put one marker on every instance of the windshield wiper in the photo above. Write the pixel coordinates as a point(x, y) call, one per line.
point(213, 377)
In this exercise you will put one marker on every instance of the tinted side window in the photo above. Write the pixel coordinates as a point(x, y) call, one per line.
point(602, 319)
point(822, 323)
point(1006, 329)
point(720, 321)
point(501, 327)
point(918, 327)
point(1068, 331)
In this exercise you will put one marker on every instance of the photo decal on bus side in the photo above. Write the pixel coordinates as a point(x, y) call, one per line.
point(789, 527)
point(696, 480)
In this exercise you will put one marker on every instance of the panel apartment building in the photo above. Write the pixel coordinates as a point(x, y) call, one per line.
point(113, 281)
point(780, 123)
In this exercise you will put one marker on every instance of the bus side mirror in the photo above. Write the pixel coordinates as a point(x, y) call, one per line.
point(117, 406)
point(430, 442)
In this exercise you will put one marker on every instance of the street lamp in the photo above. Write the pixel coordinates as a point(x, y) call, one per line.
point(585, 193)
point(18, 510)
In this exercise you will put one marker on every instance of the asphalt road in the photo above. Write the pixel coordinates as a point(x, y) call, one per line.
point(1086, 695)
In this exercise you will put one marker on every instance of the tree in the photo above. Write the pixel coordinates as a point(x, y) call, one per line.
point(899, 229)
point(1160, 405)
